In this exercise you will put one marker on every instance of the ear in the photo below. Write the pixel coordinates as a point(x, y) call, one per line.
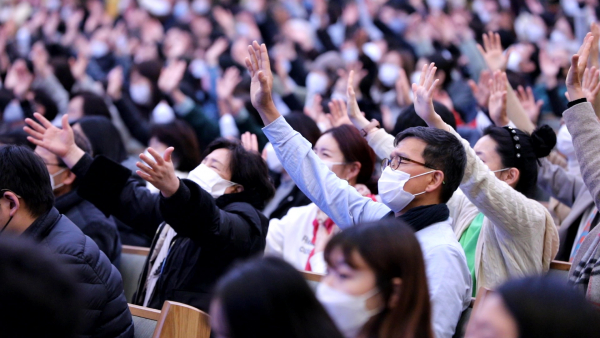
point(396, 284)
point(353, 170)
point(437, 179)
point(238, 188)
point(70, 178)
point(13, 202)
point(512, 176)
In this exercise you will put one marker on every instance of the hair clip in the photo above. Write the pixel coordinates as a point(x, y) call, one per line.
point(515, 139)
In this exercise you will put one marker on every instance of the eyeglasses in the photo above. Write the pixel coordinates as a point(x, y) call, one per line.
point(396, 161)
point(4, 190)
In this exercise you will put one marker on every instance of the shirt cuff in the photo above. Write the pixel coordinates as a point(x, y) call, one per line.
point(576, 102)
point(277, 129)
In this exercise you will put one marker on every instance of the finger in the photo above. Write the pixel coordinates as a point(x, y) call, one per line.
point(266, 64)
point(33, 133)
point(34, 125)
point(145, 168)
point(350, 83)
point(491, 87)
point(35, 141)
point(249, 66)
point(149, 162)
point(486, 42)
point(65, 124)
point(159, 159)
point(263, 79)
point(332, 109)
point(145, 176)
point(497, 42)
point(253, 58)
point(480, 49)
point(43, 120)
point(423, 74)
point(254, 142)
point(257, 50)
point(473, 86)
point(433, 87)
point(168, 154)
point(530, 93)
point(539, 104)
point(596, 90)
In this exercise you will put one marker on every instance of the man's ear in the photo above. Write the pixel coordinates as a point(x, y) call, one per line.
point(14, 203)
point(70, 178)
point(437, 179)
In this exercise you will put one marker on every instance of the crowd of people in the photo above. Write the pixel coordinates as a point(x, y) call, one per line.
point(416, 154)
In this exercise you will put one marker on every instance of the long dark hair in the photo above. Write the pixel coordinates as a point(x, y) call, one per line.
point(391, 250)
point(267, 297)
point(247, 169)
point(355, 148)
point(181, 136)
point(531, 147)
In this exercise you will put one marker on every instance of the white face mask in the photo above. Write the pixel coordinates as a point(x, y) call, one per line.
point(391, 188)
point(209, 180)
point(181, 9)
point(201, 6)
point(564, 143)
point(388, 74)
point(140, 93)
point(350, 54)
point(98, 48)
point(316, 83)
point(52, 176)
point(272, 160)
point(163, 113)
point(349, 313)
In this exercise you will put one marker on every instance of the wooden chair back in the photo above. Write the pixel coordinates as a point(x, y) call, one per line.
point(313, 279)
point(560, 269)
point(132, 265)
point(179, 320)
point(145, 321)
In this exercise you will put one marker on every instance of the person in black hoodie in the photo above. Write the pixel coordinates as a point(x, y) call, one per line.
point(86, 216)
point(201, 225)
point(27, 209)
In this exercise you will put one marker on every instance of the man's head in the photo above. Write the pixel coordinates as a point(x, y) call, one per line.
point(25, 190)
point(435, 153)
point(62, 179)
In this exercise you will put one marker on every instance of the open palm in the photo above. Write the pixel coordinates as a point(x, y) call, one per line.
point(423, 93)
point(262, 79)
point(44, 134)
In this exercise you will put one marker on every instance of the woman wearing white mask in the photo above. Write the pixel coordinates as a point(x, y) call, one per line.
point(376, 284)
point(200, 225)
point(300, 237)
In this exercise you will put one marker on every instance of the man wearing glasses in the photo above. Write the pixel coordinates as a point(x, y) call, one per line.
point(421, 174)
point(27, 209)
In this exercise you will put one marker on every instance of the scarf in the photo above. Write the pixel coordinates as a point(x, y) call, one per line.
point(419, 218)
point(587, 273)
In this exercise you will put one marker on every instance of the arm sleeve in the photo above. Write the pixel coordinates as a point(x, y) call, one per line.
point(275, 237)
point(135, 123)
point(193, 213)
point(381, 142)
point(584, 126)
point(334, 196)
point(556, 181)
point(110, 187)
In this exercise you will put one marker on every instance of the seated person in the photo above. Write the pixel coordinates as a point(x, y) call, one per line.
point(201, 225)
point(27, 209)
point(84, 214)
point(427, 168)
point(301, 235)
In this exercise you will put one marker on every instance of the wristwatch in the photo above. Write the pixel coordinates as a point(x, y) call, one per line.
point(373, 124)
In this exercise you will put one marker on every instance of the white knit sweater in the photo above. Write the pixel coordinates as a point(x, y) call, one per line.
point(518, 236)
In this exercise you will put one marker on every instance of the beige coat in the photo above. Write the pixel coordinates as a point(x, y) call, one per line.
point(518, 236)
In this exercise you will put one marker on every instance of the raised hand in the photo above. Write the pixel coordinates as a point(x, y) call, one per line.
point(227, 83)
point(591, 83)
point(481, 90)
point(423, 95)
point(250, 142)
point(338, 115)
point(403, 89)
point(531, 106)
point(497, 104)
point(262, 82)
point(18, 79)
point(354, 113)
point(492, 52)
point(171, 76)
point(215, 50)
point(60, 142)
point(79, 65)
point(159, 171)
point(115, 83)
point(577, 69)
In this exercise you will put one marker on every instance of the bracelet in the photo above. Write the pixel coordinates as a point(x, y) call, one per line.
point(373, 124)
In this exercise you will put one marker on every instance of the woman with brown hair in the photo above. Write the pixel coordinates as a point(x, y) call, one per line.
point(376, 285)
point(300, 236)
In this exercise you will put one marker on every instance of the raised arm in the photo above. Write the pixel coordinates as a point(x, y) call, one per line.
point(334, 196)
point(583, 123)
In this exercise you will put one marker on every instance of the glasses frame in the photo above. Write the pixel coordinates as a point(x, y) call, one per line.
point(388, 162)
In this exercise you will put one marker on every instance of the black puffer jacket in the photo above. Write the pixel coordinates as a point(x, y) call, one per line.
point(93, 223)
point(106, 313)
point(211, 234)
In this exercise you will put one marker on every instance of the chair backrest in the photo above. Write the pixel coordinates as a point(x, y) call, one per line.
point(560, 269)
point(132, 265)
point(144, 321)
point(179, 320)
point(313, 279)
